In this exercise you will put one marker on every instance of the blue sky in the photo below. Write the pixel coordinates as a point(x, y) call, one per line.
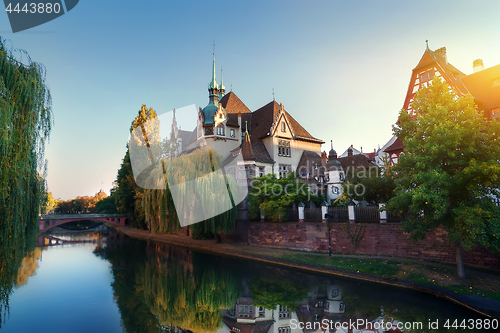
point(341, 68)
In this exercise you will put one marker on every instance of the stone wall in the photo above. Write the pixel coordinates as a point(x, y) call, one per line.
point(382, 239)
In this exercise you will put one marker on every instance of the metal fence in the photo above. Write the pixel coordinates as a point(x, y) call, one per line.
point(339, 214)
point(367, 214)
point(394, 218)
point(292, 214)
point(312, 214)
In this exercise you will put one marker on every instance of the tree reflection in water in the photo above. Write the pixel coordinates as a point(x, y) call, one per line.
point(14, 268)
point(162, 288)
point(190, 296)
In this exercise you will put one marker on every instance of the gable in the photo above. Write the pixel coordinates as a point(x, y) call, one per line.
point(432, 64)
point(282, 127)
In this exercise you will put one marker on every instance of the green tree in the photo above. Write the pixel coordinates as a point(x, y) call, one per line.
point(449, 170)
point(375, 185)
point(106, 206)
point(25, 123)
point(51, 203)
point(159, 205)
point(128, 195)
point(271, 196)
point(269, 292)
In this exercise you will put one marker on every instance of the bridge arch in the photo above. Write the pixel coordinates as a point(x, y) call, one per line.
point(48, 222)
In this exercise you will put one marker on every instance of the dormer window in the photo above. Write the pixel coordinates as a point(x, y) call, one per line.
point(283, 127)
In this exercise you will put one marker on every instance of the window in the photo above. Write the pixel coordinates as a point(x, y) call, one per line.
point(283, 127)
point(262, 311)
point(246, 172)
point(284, 329)
point(423, 77)
point(233, 133)
point(220, 129)
point(284, 170)
point(430, 75)
point(262, 172)
point(284, 148)
point(284, 312)
point(335, 190)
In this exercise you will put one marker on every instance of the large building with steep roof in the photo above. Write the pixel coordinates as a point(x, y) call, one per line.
point(483, 85)
point(269, 139)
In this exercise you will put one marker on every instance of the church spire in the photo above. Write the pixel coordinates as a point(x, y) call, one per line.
point(213, 84)
point(222, 89)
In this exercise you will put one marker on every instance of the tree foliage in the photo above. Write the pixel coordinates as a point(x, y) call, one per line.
point(449, 170)
point(200, 195)
point(373, 186)
point(25, 123)
point(84, 204)
point(271, 196)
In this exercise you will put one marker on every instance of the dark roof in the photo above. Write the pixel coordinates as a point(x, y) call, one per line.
point(397, 145)
point(252, 150)
point(484, 86)
point(264, 118)
point(233, 104)
point(184, 135)
point(255, 327)
point(232, 119)
point(303, 167)
point(357, 161)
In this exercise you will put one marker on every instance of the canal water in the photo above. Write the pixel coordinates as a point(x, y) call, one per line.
point(107, 282)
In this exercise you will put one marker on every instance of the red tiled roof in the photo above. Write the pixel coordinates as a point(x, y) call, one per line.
point(263, 119)
point(232, 104)
point(484, 86)
point(397, 145)
point(246, 148)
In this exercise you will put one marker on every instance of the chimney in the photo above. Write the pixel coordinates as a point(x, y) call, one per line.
point(442, 52)
point(239, 125)
point(323, 158)
point(477, 65)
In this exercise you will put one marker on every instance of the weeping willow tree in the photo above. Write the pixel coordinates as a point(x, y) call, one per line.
point(189, 297)
point(197, 190)
point(25, 122)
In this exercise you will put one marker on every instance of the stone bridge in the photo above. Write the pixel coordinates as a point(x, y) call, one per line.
point(47, 222)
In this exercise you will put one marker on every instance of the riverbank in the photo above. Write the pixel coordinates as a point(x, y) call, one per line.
point(401, 272)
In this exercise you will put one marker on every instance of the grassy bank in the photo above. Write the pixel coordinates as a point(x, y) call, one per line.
point(479, 281)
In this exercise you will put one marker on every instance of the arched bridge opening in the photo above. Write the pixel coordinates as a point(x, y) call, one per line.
point(47, 222)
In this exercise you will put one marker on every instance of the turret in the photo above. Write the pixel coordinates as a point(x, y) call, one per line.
point(222, 89)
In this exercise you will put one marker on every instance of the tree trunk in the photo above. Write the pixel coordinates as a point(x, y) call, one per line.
point(460, 263)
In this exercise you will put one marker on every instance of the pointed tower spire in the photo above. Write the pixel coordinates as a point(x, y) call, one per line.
point(213, 84)
point(222, 89)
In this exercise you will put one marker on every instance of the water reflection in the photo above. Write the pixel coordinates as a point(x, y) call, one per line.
point(158, 288)
point(176, 289)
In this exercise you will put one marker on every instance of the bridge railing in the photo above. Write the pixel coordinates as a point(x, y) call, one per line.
point(70, 216)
